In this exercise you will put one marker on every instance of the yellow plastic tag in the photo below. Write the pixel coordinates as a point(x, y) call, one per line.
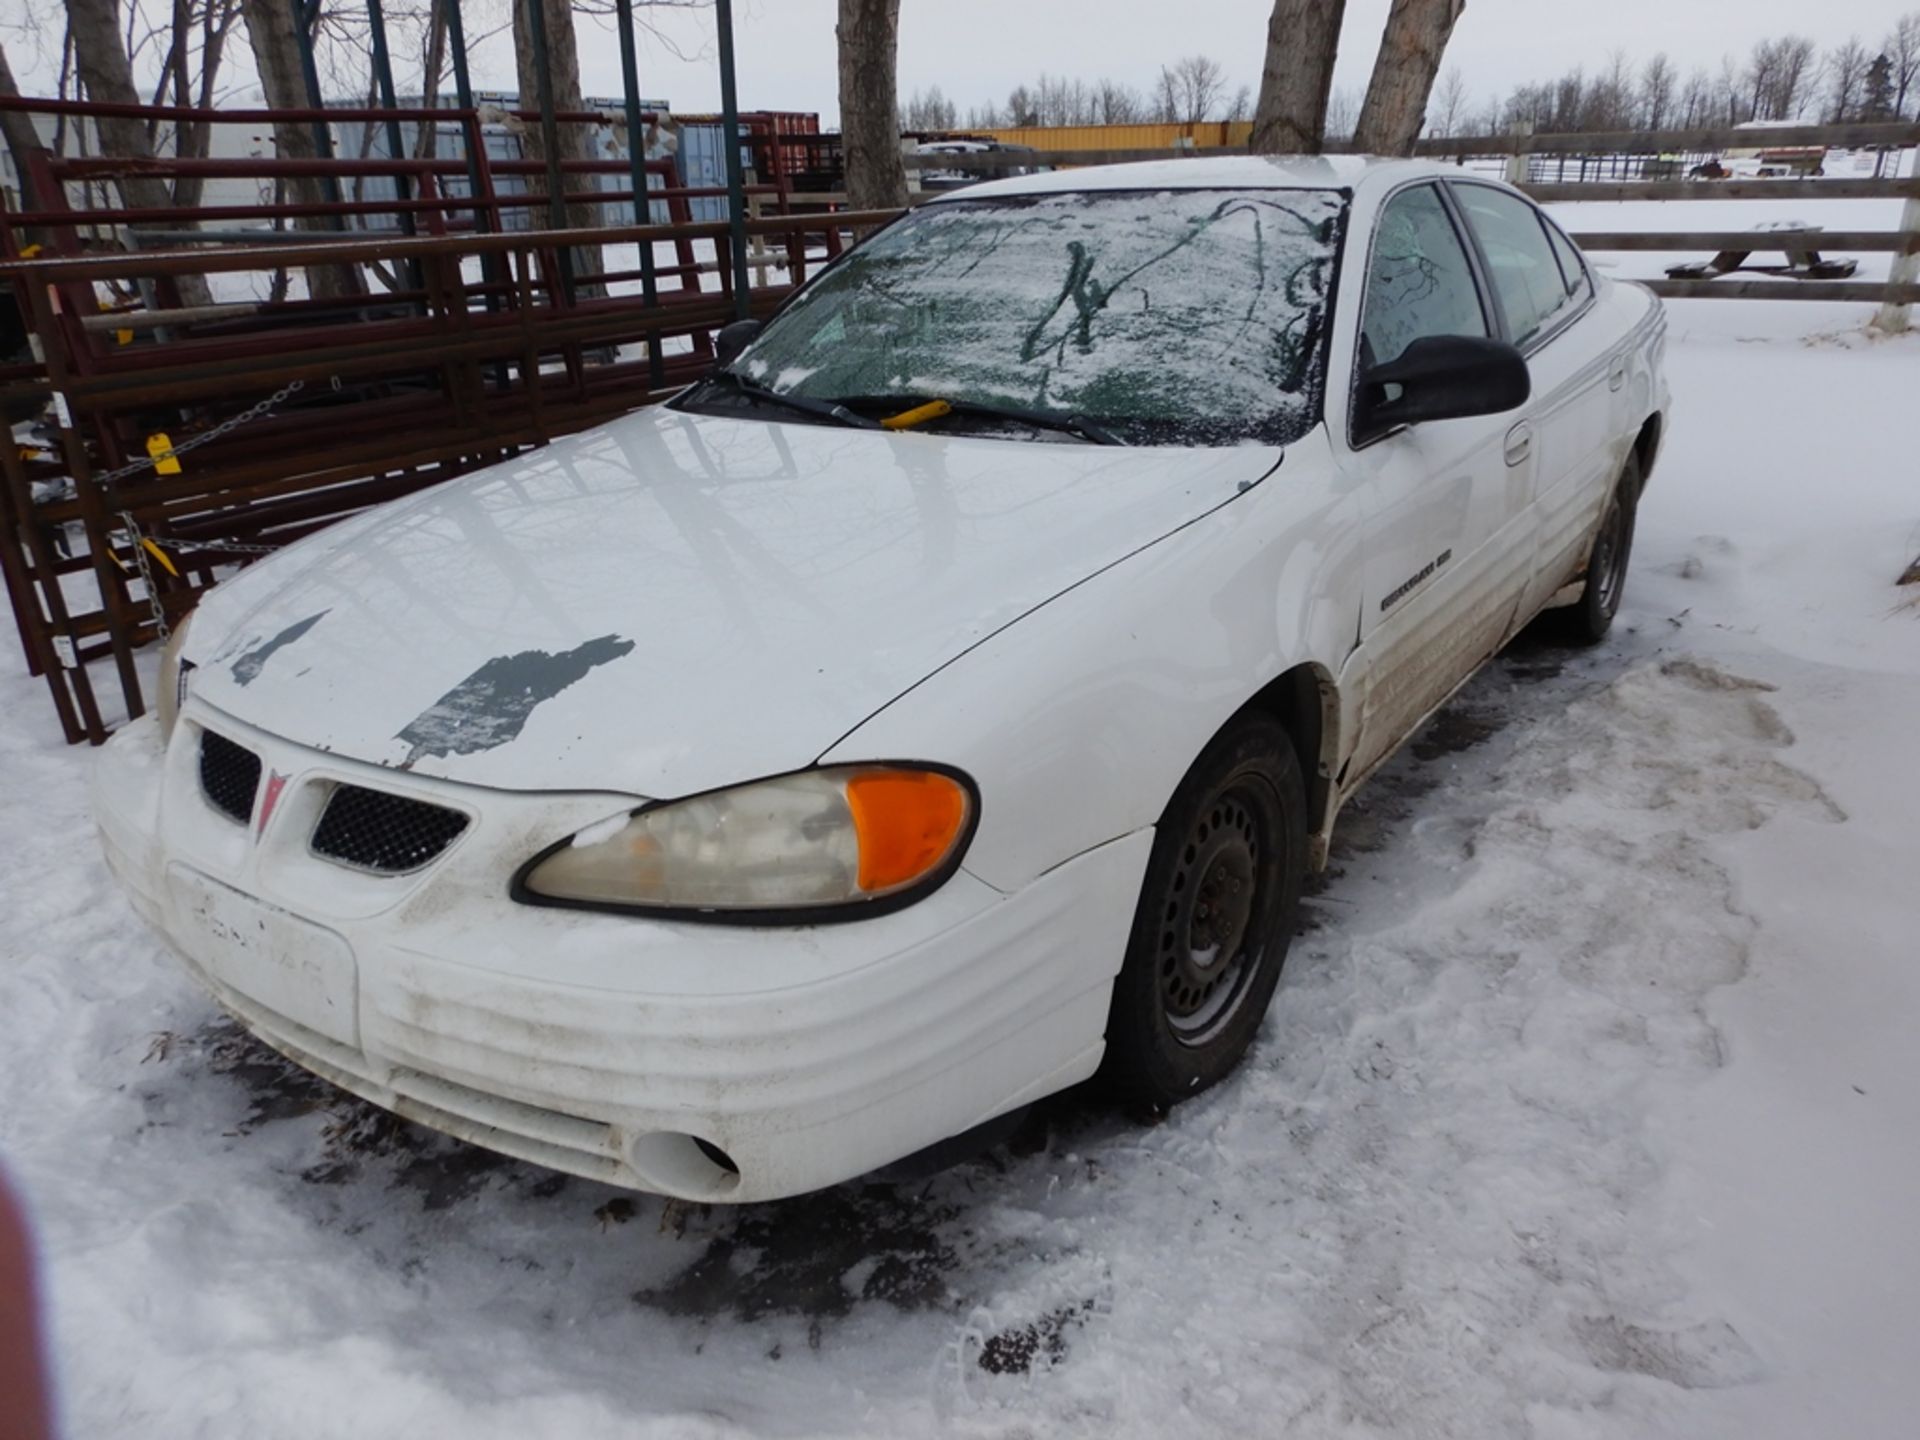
point(160, 555)
point(125, 337)
point(160, 448)
point(31, 252)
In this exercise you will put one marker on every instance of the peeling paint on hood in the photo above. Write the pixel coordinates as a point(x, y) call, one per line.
point(771, 585)
point(491, 706)
point(250, 662)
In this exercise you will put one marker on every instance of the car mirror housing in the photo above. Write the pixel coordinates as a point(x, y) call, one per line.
point(732, 339)
point(1443, 377)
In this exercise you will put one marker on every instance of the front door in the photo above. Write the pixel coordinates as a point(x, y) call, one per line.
point(1445, 502)
point(1544, 291)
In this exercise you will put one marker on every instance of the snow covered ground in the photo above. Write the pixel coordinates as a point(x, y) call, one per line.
point(1587, 1107)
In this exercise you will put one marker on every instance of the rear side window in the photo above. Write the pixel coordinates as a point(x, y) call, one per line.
point(1527, 280)
point(1572, 267)
point(1419, 282)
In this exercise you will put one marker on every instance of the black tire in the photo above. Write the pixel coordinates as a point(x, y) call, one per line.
point(1228, 858)
point(1589, 619)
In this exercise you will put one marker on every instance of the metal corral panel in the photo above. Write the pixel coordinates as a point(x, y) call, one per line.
point(503, 142)
point(1201, 135)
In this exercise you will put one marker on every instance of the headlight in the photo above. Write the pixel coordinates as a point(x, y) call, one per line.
point(788, 850)
point(171, 688)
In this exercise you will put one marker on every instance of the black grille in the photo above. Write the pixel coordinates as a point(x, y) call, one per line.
point(229, 774)
point(371, 830)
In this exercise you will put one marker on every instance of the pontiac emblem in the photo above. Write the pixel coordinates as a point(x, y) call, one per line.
point(276, 782)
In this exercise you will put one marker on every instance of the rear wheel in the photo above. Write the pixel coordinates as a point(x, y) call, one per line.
point(1590, 617)
point(1216, 913)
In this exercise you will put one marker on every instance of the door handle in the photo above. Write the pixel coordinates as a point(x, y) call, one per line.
point(1519, 443)
point(1617, 373)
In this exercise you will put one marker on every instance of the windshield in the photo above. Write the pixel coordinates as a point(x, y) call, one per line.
point(1171, 317)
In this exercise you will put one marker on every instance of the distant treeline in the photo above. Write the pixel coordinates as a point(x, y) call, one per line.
point(1787, 77)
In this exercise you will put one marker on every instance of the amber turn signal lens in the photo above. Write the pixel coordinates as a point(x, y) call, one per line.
point(908, 822)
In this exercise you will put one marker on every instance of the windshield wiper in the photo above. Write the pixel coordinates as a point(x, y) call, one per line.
point(832, 410)
point(1079, 425)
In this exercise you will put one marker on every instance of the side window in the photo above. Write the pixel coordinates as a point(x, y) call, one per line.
point(1526, 276)
point(1419, 282)
point(1579, 284)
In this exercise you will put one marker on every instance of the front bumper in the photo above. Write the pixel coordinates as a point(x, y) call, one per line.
point(611, 1046)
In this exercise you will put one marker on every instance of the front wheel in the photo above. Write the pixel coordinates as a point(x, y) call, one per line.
point(1215, 917)
point(1591, 616)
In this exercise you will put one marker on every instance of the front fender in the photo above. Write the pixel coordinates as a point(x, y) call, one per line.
point(1079, 720)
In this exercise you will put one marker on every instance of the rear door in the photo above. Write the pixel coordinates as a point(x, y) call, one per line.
point(1546, 295)
point(1444, 501)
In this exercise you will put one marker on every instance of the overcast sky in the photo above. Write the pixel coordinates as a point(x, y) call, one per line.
point(980, 49)
point(977, 50)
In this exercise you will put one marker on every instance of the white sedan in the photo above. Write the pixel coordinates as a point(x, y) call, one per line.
point(937, 706)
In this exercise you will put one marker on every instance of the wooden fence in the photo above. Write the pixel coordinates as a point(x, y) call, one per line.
point(1895, 295)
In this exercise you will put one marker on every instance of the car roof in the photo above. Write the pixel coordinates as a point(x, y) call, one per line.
point(1212, 172)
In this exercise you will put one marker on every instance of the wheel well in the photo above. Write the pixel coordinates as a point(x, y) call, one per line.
point(1304, 701)
point(1646, 445)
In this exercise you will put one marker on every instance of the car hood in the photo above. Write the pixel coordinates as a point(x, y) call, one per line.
point(674, 602)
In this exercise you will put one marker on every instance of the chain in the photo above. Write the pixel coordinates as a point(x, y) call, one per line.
point(224, 428)
point(234, 547)
point(139, 542)
point(160, 626)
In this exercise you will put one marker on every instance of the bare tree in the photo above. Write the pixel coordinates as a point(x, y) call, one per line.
point(1729, 96)
point(1796, 76)
point(1607, 103)
point(869, 38)
point(1118, 104)
point(1566, 101)
point(1343, 113)
point(1191, 90)
point(930, 110)
point(1449, 107)
point(1303, 39)
point(1410, 51)
point(100, 60)
point(1654, 94)
point(1844, 78)
point(1902, 46)
point(1776, 77)
point(276, 58)
point(1696, 101)
point(20, 135)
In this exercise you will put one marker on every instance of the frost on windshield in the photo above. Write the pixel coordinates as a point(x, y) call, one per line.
point(1195, 311)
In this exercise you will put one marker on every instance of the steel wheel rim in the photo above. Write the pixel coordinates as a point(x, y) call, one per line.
point(1609, 558)
point(1211, 944)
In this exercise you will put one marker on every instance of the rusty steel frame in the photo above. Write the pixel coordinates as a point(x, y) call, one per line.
point(440, 374)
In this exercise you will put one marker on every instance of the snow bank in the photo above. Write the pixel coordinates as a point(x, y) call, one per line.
point(1586, 1107)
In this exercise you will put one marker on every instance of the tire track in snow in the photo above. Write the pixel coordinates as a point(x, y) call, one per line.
point(1432, 1203)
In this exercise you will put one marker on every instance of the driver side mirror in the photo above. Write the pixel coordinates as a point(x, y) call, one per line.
point(732, 339)
point(1442, 377)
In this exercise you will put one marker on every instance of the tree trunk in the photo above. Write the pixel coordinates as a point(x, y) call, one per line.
point(1410, 52)
point(21, 137)
point(276, 56)
point(1303, 37)
point(101, 60)
point(869, 34)
point(563, 66)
